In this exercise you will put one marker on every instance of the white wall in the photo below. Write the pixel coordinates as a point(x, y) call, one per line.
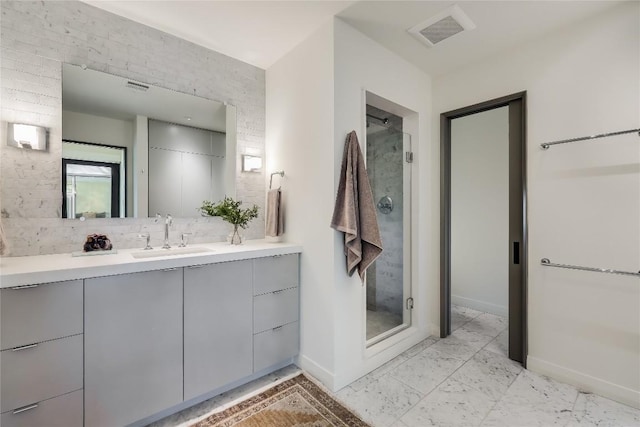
point(315, 96)
point(362, 64)
point(583, 198)
point(299, 141)
point(97, 129)
point(141, 167)
point(102, 130)
point(480, 211)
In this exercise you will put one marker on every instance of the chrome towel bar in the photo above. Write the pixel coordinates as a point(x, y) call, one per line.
point(281, 173)
point(546, 145)
point(546, 263)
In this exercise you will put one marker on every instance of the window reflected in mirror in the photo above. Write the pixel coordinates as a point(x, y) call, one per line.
point(92, 189)
point(93, 179)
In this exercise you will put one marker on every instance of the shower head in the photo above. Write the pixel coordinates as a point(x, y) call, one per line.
point(383, 120)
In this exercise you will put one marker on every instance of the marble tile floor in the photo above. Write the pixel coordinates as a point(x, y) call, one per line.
point(463, 380)
point(467, 380)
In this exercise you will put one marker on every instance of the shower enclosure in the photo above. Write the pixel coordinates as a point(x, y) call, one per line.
point(388, 279)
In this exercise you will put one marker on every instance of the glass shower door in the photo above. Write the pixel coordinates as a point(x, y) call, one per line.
point(388, 279)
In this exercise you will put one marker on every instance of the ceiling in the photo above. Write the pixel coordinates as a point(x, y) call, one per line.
point(500, 25)
point(256, 32)
point(261, 32)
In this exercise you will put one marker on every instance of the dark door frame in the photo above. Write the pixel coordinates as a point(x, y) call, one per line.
point(517, 218)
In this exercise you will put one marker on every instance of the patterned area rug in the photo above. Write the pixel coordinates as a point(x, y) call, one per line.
point(296, 402)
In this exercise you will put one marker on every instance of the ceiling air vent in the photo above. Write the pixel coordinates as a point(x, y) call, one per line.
point(442, 26)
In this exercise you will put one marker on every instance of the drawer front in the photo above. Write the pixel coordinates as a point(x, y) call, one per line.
point(37, 373)
point(274, 346)
point(275, 309)
point(275, 273)
point(40, 313)
point(61, 411)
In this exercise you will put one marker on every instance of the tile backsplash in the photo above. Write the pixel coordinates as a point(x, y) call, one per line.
point(36, 38)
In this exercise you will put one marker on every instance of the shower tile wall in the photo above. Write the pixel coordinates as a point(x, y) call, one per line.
point(37, 37)
point(384, 166)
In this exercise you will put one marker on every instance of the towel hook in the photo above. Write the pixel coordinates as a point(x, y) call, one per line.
point(281, 173)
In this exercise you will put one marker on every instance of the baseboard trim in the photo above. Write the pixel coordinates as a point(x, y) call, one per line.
point(585, 382)
point(433, 330)
point(318, 372)
point(485, 307)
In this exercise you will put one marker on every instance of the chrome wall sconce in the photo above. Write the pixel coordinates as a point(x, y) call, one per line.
point(251, 163)
point(28, 137)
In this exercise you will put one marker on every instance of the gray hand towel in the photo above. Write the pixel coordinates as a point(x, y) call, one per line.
point(275, 218)
point(355, 213)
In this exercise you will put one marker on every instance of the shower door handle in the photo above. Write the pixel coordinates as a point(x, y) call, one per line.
point(516, 253)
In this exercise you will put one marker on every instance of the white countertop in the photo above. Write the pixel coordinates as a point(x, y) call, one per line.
point(28, 270)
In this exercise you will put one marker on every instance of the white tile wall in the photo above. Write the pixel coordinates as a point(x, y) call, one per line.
point(35, 38)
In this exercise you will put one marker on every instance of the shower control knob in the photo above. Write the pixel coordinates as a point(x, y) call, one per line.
point(385, 205)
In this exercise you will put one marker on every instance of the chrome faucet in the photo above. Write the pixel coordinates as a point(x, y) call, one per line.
point(183, 240)
point(167, 223)
point(146, 235)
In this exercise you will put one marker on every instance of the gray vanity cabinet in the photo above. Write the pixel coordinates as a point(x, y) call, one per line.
point(271, 274)
point(41, 360)
point(121, 349)
point(51, 368)
point(218, 335)
point(61, 411)
point(275, 310)
point(133, 346)
point(275, 345)
point(37, 313)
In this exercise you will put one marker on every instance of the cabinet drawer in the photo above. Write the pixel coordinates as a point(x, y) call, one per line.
point(275, 273)
point(61, 411)
point(40, 313)
point(275, 309)
point(275, 345)
point(37, 373)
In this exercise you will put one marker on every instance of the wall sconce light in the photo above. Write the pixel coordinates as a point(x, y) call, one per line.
point(27, 136)
point(251, 163)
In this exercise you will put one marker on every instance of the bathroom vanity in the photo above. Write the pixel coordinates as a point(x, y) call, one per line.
point(121, 339)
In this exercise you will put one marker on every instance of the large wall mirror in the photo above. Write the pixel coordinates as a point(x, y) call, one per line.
point(131, 149)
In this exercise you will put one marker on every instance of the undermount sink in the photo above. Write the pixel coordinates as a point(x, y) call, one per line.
point(157, 253)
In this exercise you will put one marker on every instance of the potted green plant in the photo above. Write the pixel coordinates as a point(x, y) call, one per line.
point(230, 211)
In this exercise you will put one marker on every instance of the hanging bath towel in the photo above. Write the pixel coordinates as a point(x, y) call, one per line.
point(275, 217)
point(355, 213)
